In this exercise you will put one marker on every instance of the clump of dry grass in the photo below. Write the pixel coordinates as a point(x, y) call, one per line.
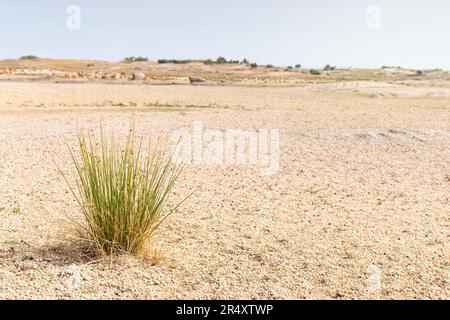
point(122, 191)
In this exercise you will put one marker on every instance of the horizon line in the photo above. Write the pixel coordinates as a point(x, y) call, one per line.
point(230, 61)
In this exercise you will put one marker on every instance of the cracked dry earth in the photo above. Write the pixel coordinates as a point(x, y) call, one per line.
point(358, 209)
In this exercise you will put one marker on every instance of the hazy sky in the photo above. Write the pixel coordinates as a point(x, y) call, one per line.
point(312, 33)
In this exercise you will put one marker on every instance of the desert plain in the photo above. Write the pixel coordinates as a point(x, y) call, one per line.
point(359, 208)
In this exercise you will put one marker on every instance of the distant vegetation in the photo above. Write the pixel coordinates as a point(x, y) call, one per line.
point(135, 59)
point(329, 68)
point(175, 61)
point(422, 72)
point(315, 71)
point(222, 60)
point(219, 60)
point(29, 57)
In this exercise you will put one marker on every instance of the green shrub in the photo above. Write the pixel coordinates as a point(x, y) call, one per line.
point(175, 61)
point(253, 65)
point(315, 71)
point(135, 59)
point(122, 191)
point(221, 60)
point(29, 57)
point(298, 66)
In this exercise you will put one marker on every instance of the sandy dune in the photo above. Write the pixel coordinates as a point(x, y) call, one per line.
point(362, 193)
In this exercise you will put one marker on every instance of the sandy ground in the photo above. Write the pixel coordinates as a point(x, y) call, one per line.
point(360, 207)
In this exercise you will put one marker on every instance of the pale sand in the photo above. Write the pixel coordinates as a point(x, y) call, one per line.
point(362, 192)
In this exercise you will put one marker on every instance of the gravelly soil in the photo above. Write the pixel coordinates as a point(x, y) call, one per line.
point(359, 208)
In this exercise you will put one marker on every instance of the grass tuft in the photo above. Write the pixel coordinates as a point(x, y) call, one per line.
point(122, 191)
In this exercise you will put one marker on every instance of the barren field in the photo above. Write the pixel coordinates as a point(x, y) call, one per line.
point(363, 190)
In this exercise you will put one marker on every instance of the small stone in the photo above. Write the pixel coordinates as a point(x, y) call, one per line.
point(72, 275)
point(138, 76)
point(27, 257)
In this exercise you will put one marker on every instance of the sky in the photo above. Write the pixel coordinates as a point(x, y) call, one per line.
point(346, 33)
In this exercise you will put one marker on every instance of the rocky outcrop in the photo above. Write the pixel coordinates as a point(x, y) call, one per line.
point(194, 80)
